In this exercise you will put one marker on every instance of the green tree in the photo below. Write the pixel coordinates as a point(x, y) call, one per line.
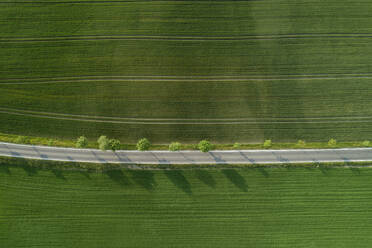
point(237, 146)
point(267, 144)
point(366, 143)
point(174, 146)
point(332, 142)
point(114, 144)
point(205, 146)
point(22, 140)
point(301, 143)
point(81, 142)
point(143, 144)
point(103, 143)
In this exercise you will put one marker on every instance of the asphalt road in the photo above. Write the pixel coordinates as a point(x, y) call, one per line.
point(187, 157)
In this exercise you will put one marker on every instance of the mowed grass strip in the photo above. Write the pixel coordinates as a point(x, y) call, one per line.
point(191, 208)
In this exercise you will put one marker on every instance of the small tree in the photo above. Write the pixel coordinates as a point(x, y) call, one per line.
point(81, 142)
point(301, 143)
point(143, 144)
point(366, 143)
point(114, 144)
point(103, 143)
point(50, 142)
point(174, 146)
point(205, 146)
point(22, 140)
point(332, 142)
point(237, 146)
point(267, 144)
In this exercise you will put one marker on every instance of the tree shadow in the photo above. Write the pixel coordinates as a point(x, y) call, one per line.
point(263, 172)
point(205, 177)
point(355, 170)
point(59, 174)
point(324, 170)
point(179, 180)
point(30, 171)
point(85, 174)
point(218, 159)
point(5, 169)
point(119, 177)
point(144, 178)
point(236, 179)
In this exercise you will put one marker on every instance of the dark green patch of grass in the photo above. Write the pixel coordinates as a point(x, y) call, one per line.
point(297, 207)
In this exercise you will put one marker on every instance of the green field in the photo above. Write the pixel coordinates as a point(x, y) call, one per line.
point(190, 208)
point(229, 71)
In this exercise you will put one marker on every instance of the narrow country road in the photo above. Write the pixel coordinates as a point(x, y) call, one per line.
point(187, 157)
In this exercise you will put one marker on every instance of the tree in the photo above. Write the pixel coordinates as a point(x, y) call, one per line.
point(205, 146)
point(114, 144)
point(366, 143)
point(103, 143)
point(174, 146)
point(143, 144)
point(332, 142)
point(267, 144)
point(81, 142)
point(301, 143)
point(237, 146)
point(22, 140)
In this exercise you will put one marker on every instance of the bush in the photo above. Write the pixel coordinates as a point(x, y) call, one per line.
point(267, 144)
point(237, 146)
point(205, 146)
point(103, 143)
point(174, 146)
point(114, 144)
point(143, 144)
point(366, 143)
point(301, 143)
point(22, 140)
point(50, 142)
point(332, 142)
point(81, 142)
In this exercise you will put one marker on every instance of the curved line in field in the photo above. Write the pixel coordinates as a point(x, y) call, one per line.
point(180, 121)
point(182, 38)
point(184, 79)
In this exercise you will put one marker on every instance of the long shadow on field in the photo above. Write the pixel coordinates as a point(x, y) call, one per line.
point(179, 180)
point(325, 170)
point(59, 174)
point(5, 169)
point(30, 171)
point(119, 177)
point(205, 177)
point(263, 172)
point(144, 178)
point(85, 174)
point(236, 179)
point(355, 171)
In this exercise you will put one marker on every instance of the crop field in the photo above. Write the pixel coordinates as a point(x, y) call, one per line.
point(229, 71)
point(186, 208)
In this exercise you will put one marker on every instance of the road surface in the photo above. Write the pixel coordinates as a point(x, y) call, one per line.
point(187, 157)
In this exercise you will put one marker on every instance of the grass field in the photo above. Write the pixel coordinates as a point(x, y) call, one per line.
point(229, 71)
point(189, 208)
